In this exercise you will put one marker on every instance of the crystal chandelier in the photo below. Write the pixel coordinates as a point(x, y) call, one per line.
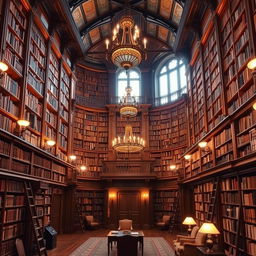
point(126, 49)
point(128, 143)
point(128, 104)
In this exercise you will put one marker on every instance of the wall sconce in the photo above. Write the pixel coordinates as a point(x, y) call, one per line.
point(83, 168)
point(72, 158)
point(204, 146)
point(252, 66)
point(145, 195)
point(3, 68)
point(173, 167)
point(112, 196)
point(50, 143)
point(187, 157)
point(23, 125)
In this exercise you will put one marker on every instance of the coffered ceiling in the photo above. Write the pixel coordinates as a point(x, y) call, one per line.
point(158, 19)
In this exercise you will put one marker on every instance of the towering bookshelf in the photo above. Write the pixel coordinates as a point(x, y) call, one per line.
point(90, 138)
point(14, 55)
point(167, 136)
point(236, 50)
point(92, 87)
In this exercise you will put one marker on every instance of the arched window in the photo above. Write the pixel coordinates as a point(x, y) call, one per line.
point(170, 81)
point(132, 77)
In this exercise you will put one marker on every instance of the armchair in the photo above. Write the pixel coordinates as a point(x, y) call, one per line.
point(164, 223)
point(125, 224)
point(90, 222)
point(178, 241)
point(187, 245)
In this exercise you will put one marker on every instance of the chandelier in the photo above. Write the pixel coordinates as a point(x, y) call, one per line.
point(128, 104)
point(128, 143)
point(126, 49)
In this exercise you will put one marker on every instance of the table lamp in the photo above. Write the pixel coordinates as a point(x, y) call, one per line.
point(209, 229)
point(190, 222)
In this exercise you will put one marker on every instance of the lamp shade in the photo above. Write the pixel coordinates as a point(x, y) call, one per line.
point(209, 228)
point(189, 221)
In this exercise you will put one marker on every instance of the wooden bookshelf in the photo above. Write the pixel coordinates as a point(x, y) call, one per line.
point(90, 138)
point(37, 85)
point(164, 201)
point(167, 136)
point(92, 203)
point(202, 195)
point(92, 87)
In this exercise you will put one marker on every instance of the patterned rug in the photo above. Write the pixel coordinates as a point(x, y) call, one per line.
point(97, 246)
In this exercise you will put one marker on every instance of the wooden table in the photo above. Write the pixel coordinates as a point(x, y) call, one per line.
point(203, 251)
point(114, 235)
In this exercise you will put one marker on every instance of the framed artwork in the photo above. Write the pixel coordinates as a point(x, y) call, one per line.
point(89, 10)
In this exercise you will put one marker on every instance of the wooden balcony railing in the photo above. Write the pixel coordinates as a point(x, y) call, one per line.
point(128, 169)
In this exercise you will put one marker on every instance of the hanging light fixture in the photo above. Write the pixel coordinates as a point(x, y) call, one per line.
point(126, 50)
point(128, 104)
point(128, 143)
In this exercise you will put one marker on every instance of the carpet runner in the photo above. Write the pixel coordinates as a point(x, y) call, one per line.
point(97, 246)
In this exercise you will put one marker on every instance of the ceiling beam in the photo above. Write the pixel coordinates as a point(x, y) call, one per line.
point(99, 21)
point(157, 19)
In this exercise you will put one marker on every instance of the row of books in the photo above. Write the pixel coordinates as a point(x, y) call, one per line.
point(13, 215)
point(5, 147)
point(33, 103)
point(14, 60)
point(249, 199)
point(11, 231)
point(20, 153)
point(10, 85)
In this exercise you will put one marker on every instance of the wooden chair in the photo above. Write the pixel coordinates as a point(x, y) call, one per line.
point(164, 222)
point(20, 247)
point(125, 224)
point(127, 246)
point(90, 222)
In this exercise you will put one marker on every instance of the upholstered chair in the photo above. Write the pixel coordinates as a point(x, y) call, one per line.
point(179, 239)
point(164, 222)
point(125, 224)
point(187, 246)
point(90, 222)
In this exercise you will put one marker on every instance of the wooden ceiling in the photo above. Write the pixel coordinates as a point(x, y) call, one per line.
point(158, 19)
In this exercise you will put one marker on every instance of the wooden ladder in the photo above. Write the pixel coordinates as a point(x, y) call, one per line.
point(36, 228)
point(79, 212)
point(213, 199)
point(174, 221)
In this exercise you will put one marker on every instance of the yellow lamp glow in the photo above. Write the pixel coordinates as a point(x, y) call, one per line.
point(189, 221)
point(187, 157)
point(23, 123)
point(252, 64)
point(82, 167)
point(3, 66)
point(50, 143)
point(254, 106)
point(209, 228)
point(72, 157)
point(202, 144)
point(173, 166)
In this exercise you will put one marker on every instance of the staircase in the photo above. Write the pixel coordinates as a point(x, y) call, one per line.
point(213, 199)
point(36, 228)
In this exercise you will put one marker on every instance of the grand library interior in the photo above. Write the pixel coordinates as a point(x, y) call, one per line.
point(127, 127)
